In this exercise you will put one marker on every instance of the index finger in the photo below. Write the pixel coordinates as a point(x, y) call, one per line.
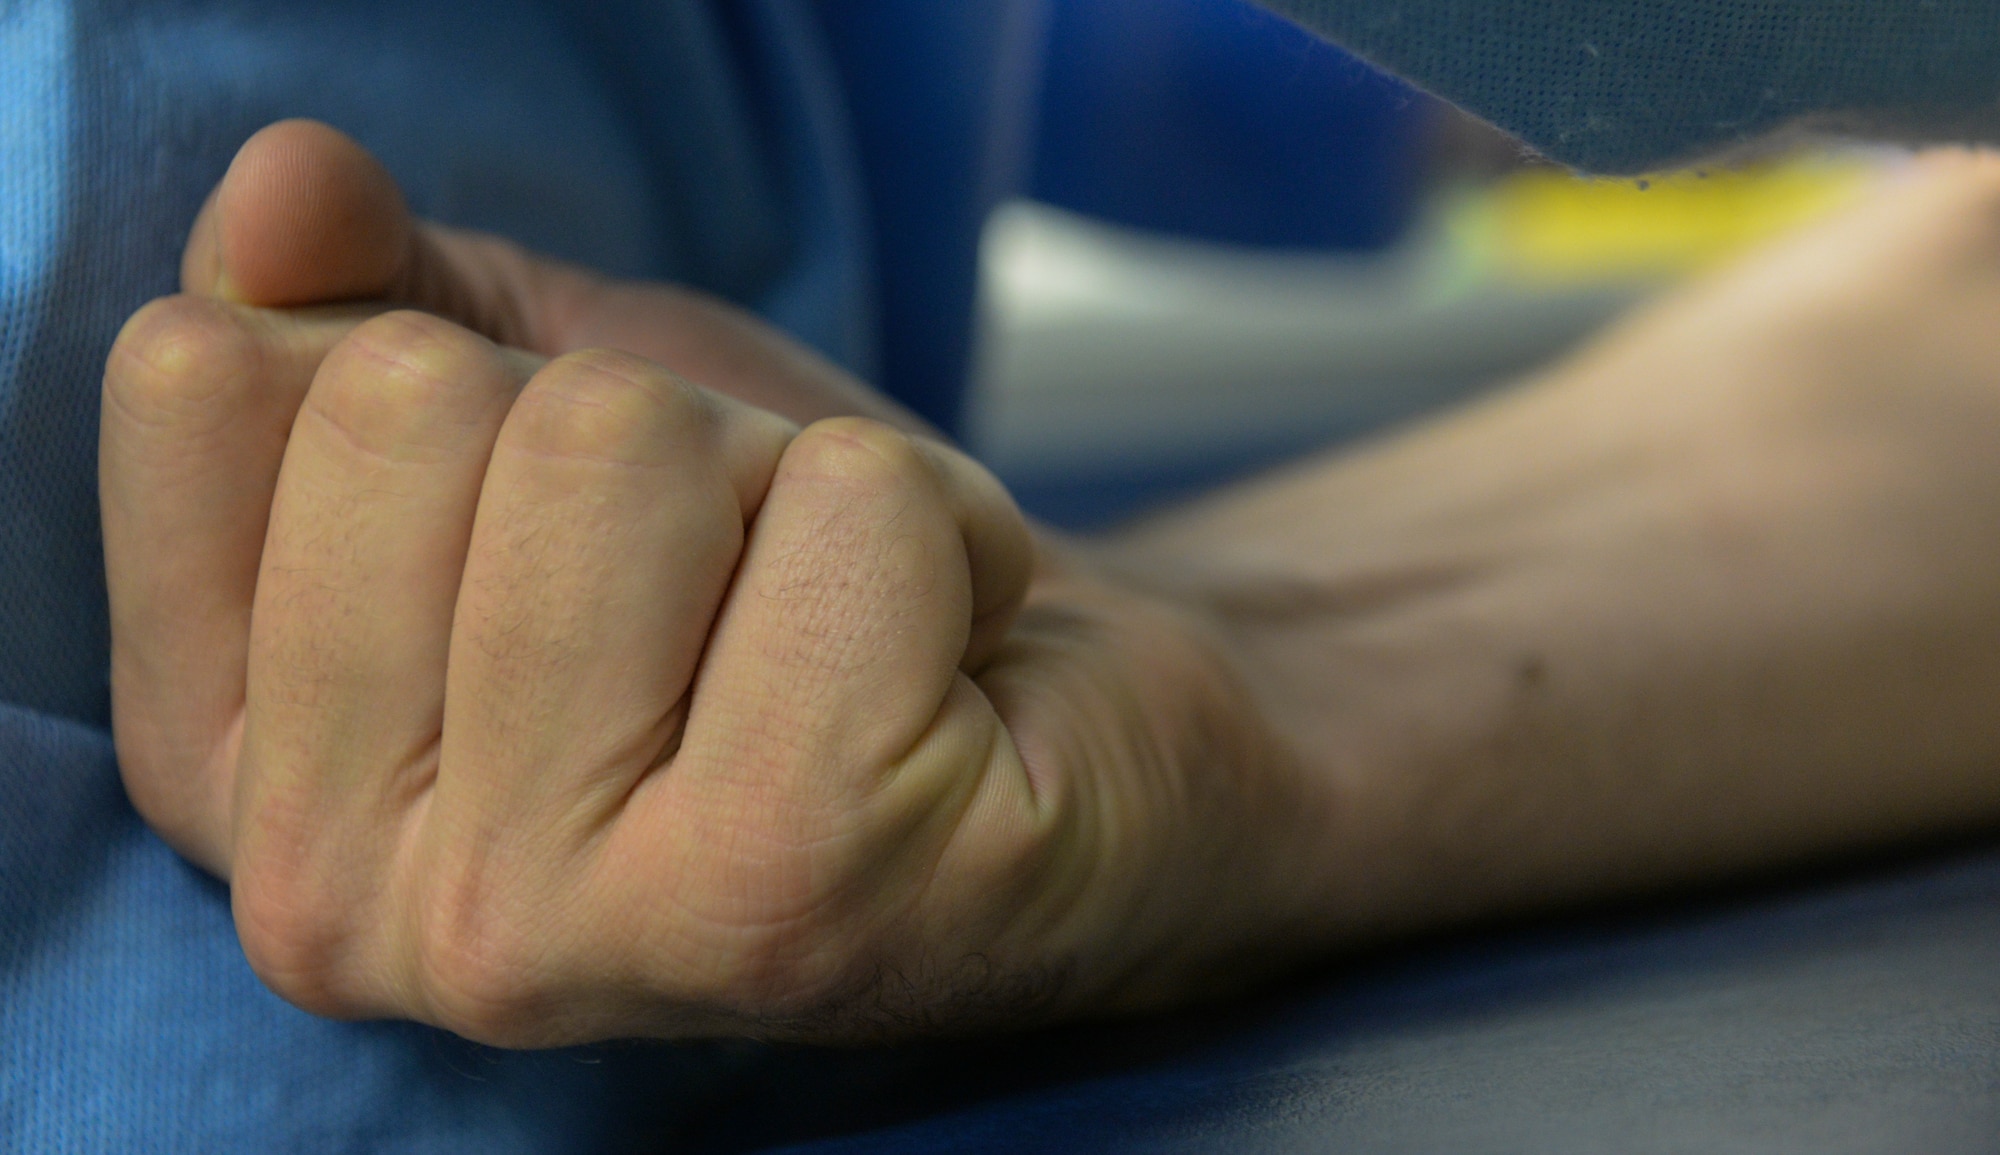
point(199, 398)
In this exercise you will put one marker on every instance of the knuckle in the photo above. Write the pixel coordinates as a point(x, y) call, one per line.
point(762, 925)
point(858, 454)
point(289, 937)
point(476, 971)
point(181, 361)
point(613, 407)
point(770, 979)
point(404, 383)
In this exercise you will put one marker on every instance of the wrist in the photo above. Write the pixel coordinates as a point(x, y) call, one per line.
point(1276, 819)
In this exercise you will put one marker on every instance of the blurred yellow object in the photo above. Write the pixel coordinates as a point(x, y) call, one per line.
point(1549, 226)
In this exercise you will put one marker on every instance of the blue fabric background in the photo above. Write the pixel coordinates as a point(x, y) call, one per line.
point(128, 1019)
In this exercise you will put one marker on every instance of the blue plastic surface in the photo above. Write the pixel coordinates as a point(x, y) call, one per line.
point(1854, 1015)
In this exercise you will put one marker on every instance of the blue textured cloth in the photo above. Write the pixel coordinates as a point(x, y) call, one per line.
point(1631, 85)
point(680, 140)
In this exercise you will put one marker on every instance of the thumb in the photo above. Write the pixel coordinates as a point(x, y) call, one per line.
point(306, 216)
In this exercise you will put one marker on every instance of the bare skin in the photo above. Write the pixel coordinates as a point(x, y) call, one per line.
point(542, 695)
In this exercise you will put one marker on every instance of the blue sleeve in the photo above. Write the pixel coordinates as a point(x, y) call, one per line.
point(1623, 86)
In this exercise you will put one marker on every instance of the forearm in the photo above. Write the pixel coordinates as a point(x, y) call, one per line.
point(1624, 628)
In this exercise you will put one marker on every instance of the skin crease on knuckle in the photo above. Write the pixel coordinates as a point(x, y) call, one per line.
point(574, 497)
point(601, 406)
point(295, 938)
point(177, 362)
point(472, 967)
point(387, 388)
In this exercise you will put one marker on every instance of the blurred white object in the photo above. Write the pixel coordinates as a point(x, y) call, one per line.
point(1104, 349)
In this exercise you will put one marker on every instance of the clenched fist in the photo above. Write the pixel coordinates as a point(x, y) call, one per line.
point(549, 693)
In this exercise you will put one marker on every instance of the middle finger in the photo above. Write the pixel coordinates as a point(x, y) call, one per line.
point(352, 622)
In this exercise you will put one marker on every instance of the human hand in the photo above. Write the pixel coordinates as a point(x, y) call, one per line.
point(551, 702)
point(305, 238)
